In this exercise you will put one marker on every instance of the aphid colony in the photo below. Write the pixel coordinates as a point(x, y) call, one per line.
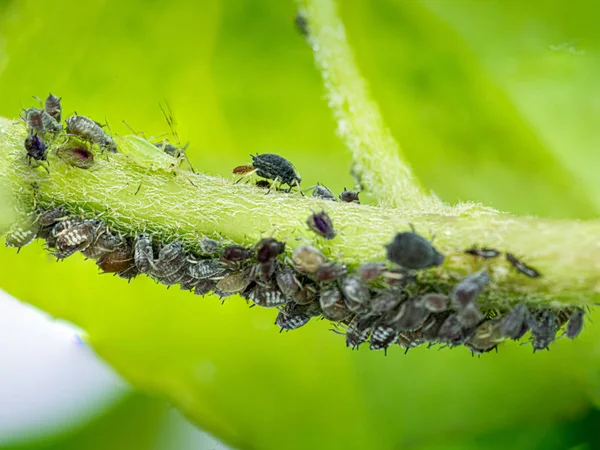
point(44, 126)
point(382, 303)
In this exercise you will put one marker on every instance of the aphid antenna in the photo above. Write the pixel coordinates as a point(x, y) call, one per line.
point(170, 119)
point(39, 100)
point(137, 133)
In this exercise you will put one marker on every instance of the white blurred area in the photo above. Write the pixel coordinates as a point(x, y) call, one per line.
point(51, 382)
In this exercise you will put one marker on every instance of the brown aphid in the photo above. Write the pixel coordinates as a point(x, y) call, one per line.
point(408, 340)
point(469, 315)
point(514, 324)
point(233, 283)
point(356, 295)
point(575, 324)
point(359, 330)
point(431, 326)
point(486, 337)
point(382, 337)
point(522, 267)
point(329, 296)
point(307, 259)
point(120, 262)
point(349, 196)
point(435, 302)
point(398, 277)
point(143, 253)
point(306, 295)
point(485, 253)
point(268, 249)
point(105, 242)
point(235, 253)
point(287, 281)
point(321, 224)
point(79, 157)
point(370, 271)
point(330, 271)
point(469, 288)
point(409, 315)
point(263, 184)
point(336, 312)
point(88, 130)
point(53, 107)
point(242, 170)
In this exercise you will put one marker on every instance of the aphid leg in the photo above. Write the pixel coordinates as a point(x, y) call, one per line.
point(185, 157)
point(272, 184)
point(299, 188)
point(246, 175)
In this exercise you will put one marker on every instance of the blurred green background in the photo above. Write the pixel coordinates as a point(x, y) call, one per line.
point(491, 101)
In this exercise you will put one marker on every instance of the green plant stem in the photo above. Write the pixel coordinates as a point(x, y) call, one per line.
point(378, 159)
point(174, 203)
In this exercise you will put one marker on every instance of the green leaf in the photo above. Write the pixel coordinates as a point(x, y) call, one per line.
point(240, 79)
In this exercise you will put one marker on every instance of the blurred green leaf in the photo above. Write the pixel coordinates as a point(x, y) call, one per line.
point(240, 79)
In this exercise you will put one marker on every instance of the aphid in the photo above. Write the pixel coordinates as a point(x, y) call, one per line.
point(268, 249)
point(170, 266)
point(187, 282)
point(88, 130)
point(262, 272)
point(105, 242)
point(35, 147)
point(59, 229)
point(383, 336)
point(209, 246)
point(543, 329)
point(272, 167)
point(233, 283)
point(307, 259)
point(485, 253)
point(356, 294)
point(301, 24)
point(359, 330)
point(329, 296)
point(306, 295)
point(293, 316)
point(412, 251)
point(514, 324)
point(469, 315)
point(408, 340)
point(320, 223)
point(53, 107)
point(120, 262)
point(22, 233)
point(349, 196)
point(79, 157)
point(336, 312)
point(408, 316)
point(322, 192)
point(452, 331)
point(575, 324)
point(485, 338)
point(435, 302)
point(205, 268)
point(40, 121)
point(469, 288)
point(48, 219)
point(287, 282)
point(263, 184)
point(387, 300)
point(370, 271)
point(398, 277)
point(267, 296)
point(203, 287)
point(78, 237)
point(235, 253)
point(522, 267)
point(330, 271)
point(431, 327)
point(143, 253)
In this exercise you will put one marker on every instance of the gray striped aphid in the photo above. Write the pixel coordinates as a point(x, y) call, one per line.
point(321, 224)
point(359, 330)
point(143, 253)
point(543, 329)
point(522, 267)
point(171, 263)
point(514, 324)
point(40, 121)
point(322, 192)
point(575, 324)
point(53, 107)
point(267, 296)
point(294, 316)
point(78, 237)
point(287, 281)
point(88, 130)
point(412, 251)
point(469, 315)
point(349, 196)
point(105, 242)
point(205, 269)
point(408, 340)
point(469, 288)
point(409, 315)
point(382, 337)
point(272, 167)
point(22, 233)
point(453, 331)
point(387, 300)
point(356, 294)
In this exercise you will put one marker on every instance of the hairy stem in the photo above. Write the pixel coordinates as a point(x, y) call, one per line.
point(173, 203)
point(378, 160)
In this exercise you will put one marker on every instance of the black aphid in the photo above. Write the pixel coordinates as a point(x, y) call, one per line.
point(412, 251)
point(203, 287)
point(105, 242)
point(485, 253)
point(301, 24)
point(322, 192)
point(143, 253)
point(307, 259)
point(321, 224)
point(268, 249)
point(53, 107)
point(235, 253)
point(522, 267)
point(543, 329)
point(514, 324)
point(287, 282)
point(272, 167)
point(435, 302)
point(575, 324)
point(79, 157)
point(330, 271)
point(35, 147)
point(356, 294)
point(370, 271)
point(349, 196)
point(469, 288)
point(88, 130)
